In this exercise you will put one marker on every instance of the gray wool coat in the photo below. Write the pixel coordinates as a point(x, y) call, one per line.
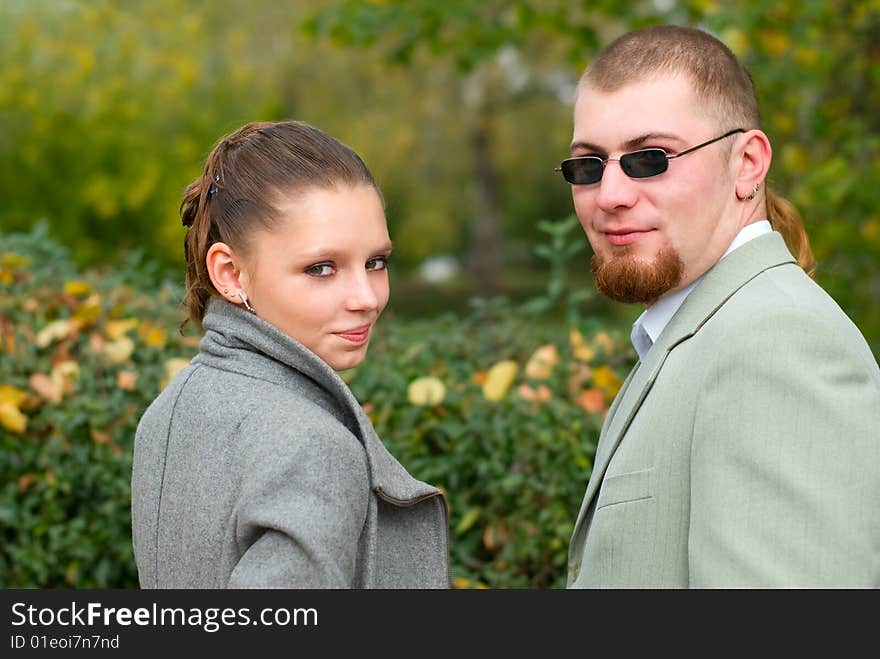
point(257, 468)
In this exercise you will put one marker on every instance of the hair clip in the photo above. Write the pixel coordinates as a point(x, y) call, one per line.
point(214, 189)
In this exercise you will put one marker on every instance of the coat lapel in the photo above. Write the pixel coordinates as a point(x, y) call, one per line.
point(716, 287)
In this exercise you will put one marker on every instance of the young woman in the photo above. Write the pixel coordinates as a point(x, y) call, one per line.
point(256, 467)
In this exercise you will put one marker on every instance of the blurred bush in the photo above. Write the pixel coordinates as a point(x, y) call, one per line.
point(501, 408)
point(82, 355)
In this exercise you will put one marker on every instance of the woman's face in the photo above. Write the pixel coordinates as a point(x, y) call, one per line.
point(321, 274)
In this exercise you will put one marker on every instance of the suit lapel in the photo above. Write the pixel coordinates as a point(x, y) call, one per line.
point(716, 287)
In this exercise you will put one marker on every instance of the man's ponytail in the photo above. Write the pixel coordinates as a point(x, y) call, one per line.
point(785, 219)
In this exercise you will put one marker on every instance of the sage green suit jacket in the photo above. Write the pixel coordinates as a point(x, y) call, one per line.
point(745, 450)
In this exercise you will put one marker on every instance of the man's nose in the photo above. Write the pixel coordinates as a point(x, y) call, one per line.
point(616, 189)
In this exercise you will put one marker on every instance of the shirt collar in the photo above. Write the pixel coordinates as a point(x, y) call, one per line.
point(653, 320)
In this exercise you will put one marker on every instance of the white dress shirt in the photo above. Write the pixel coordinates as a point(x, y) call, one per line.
point(648, 326)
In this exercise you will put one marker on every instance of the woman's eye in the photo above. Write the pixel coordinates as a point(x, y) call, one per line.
point(377, 263)
point(320, 270)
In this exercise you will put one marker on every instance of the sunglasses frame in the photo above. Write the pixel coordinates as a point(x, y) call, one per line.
point(667, 157)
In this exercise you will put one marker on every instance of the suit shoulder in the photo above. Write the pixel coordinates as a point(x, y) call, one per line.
point(785, 301)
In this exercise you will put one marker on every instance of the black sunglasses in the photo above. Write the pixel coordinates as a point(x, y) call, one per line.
point(587, 170)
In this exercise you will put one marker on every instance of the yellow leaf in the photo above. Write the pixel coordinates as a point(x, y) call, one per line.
point(607, 381)
point(591, 401)
point(116, 329)
point(88, 312)
point(806, 56)
point(77, 288)
point(582, 350)
point(467, 521)
point(585, 353)
point(25, 481)
point(118, 351)
point(870, 229)
point(604, 341)
point(10, 395)
point(542, 361)
point(775, 42)
point(173, 366)
point(498, 379)
point(583, 462)
point(57, 329)
point(99, 436)
point(11, 418)
point(427, 390)
point(14, 261)
point(47, 388)
point(495, 536)
point(152, 335)
point(126, 380)
point(736, 40)
point(65, 373)
point(540, 395)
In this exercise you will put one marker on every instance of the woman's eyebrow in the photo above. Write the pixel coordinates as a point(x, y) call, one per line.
point(336, 254)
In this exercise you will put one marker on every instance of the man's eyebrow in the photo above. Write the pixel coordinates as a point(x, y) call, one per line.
point(630, 145)
point(586, 146)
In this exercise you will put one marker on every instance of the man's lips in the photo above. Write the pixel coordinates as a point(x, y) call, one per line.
point(355, 334)
point(627, 236)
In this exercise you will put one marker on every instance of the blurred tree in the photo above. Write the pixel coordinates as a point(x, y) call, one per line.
point(108, 109)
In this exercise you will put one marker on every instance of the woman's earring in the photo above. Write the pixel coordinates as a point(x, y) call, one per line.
point(753, 192)
point(244, 301)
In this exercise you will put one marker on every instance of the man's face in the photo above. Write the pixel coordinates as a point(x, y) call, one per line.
point(653, 235)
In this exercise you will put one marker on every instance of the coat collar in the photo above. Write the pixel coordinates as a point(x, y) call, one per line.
point(237, 340)
point(721, 282)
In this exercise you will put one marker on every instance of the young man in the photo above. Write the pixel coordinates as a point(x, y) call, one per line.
point(743, 450)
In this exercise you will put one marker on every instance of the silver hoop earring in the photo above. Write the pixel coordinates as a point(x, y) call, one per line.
point(244, 301)
point(753, 192)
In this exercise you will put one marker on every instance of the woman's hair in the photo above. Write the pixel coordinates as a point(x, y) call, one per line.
point(248, 174)
point(718, 78)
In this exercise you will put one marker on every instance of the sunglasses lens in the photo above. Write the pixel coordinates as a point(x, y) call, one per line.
point(645, 163)
point(582, 171)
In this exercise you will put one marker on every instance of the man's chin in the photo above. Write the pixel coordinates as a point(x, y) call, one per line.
point(631, 280)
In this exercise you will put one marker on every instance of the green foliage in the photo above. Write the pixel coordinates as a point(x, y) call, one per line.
point(468, 32)
point(510, 440)
point(81, 356)
point(816, 67)
point(101, 135)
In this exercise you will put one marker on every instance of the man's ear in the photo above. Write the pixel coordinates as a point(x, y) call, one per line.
point(224, 271)
point(752, 162)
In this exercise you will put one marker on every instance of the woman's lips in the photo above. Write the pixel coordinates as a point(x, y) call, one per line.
point(356, 335)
